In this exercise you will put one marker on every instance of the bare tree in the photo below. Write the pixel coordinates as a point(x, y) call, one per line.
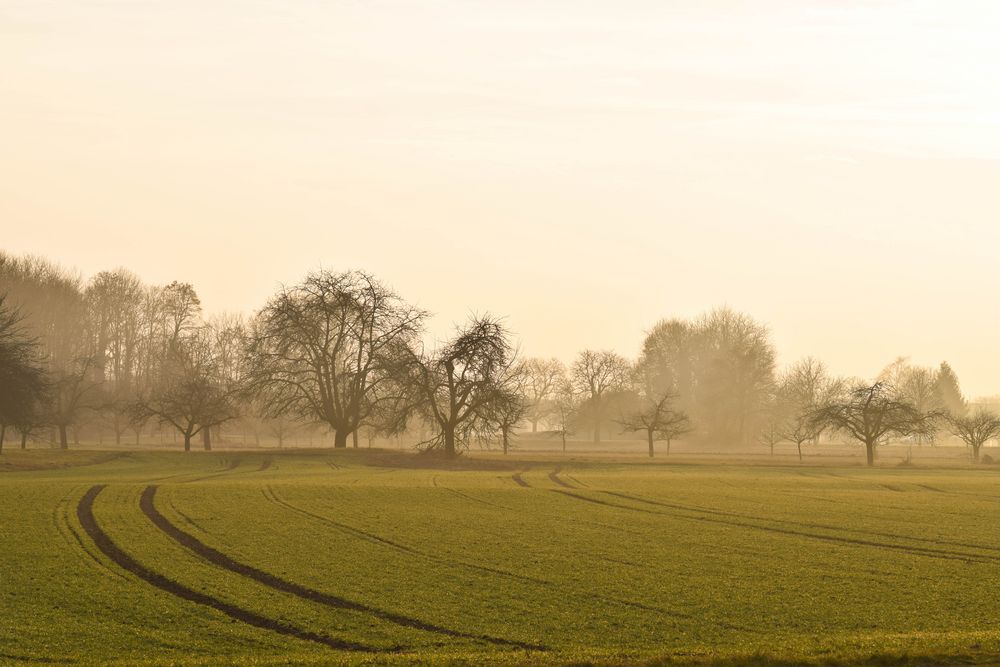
point(333, 349)
point(975, 429)
point(566, 406)
point(542, 380)
point(656, 417)
point(190, 395)
point(870, 413)
point(596, 375)
point(802, 390)
point(462, 383)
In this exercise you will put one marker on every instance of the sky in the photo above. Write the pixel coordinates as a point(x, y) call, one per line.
point(583, 168)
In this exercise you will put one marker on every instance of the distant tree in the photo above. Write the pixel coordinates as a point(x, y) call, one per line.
point(802, 390)
point(656, 418)
point(870, 413)
point(596, 375)
point(722, 367)
point(22, 378)
point(180, 305)
point(190, 395)
point(462, 383)
point(542, 379)
point(775, 415)
point(564, 411)
point(975, 429)
point(333, 349)
point(506, 412)
point(947, 391)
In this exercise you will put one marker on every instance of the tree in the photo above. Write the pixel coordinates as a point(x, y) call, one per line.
point(54, 313)
point(947, 391)
point(869, 413)
point(656, 417)
point(542, 379)
point(721, 366)
point(975, 429)
point(190, 395)
point(462, 383)
point(596, 375)
point(802, 390)
point(22, 379)
point(333, 349)
point(564, 413)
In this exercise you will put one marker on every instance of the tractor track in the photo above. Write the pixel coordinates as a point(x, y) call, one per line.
point(911, 550)
point(554, 476)
point(519, 481)
point(271, 496)
point(217, 558)
point(804, 524)
point(456, 563)
point(85, 514)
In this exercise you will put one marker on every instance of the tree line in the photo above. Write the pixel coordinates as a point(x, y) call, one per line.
point(343, 351)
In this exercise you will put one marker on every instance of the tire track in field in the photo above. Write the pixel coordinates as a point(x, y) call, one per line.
point(912, 550)
point(554, 476)
point(271, 496)
point(85, 514)
point(265, 464)
point(190, 542)
point(60, 516)
point(519, 481)
point(857, 531)
point(457, 563)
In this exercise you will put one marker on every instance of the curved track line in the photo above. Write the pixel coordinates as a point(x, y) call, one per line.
point(190, 542)
point(554, 476)
point(913, 551)
point(371, 537)
point(85, 513)
point(457, 563)
point(520, 482)
point(265, 464)
point(789, 522)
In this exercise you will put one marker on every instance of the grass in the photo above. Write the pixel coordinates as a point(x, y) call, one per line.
point(278, 558)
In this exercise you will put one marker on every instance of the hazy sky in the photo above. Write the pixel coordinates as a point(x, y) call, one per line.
point(585, 168)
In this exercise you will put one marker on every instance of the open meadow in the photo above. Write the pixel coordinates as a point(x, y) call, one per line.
point(379, 556)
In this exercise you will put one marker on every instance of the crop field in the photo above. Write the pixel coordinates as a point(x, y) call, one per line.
point(322, 557)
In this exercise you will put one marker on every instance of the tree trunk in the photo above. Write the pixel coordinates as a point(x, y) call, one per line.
point(534, 426)
point(340, 439)
point(206, 438)
point(668, 446)
point(187, 442)
point(3, 431)
point(799, 445)
point(870, 453)
point(24, 439)
point(449, 440)
point(506, 441)
point(63, 437)
point(563, 434)
point(975, 451)
point(354, 437)
point(649, 439)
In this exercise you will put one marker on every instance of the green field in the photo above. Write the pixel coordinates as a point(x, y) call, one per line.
point(354, 556)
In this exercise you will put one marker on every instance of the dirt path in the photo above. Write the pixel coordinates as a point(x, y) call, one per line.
point(85, 513)
point(220, 559)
